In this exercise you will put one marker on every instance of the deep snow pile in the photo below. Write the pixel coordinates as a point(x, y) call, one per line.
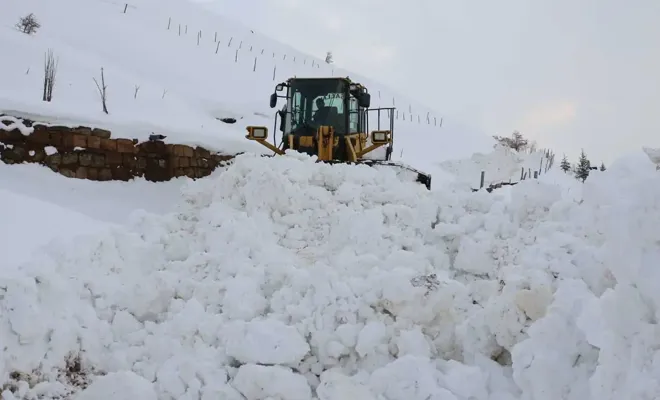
point(500, 164)
point(287, 279)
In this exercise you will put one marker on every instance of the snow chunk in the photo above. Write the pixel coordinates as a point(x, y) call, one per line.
point(258, 382)
point(264, 342)
point(243, 299)
point(337, 386)
point(370, 337)
point(124, 385)
point(410, 378)
point(414, 343)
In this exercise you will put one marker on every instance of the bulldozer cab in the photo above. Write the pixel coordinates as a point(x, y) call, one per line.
point(315, 102)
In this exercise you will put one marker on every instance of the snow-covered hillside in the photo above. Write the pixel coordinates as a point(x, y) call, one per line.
point(288, 279)
point(183, 86)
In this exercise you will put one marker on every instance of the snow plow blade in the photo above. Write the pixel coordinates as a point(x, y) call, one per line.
point(416, 175)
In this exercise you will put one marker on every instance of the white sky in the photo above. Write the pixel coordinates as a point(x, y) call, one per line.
point(569, 73)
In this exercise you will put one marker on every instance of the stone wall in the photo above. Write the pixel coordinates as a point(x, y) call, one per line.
point(91, 153)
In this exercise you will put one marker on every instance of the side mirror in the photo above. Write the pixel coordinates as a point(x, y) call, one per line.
point(365, 100)
point(273, 100)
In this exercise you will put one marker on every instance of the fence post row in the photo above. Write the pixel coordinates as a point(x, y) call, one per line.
point(313, 64)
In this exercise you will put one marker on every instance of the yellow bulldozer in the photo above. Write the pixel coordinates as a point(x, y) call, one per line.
point(329, 118)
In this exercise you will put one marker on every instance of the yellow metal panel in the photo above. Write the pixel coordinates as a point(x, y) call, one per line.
point(306, 141)
point(325, 141)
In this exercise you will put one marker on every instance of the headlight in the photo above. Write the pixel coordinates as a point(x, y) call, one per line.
point(380, 137)
point(257, 132)
point(260, 133)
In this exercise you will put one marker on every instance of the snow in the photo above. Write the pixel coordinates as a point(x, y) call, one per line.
point(119, 385)
point(289, 279)
point(654, 155)
point(110, 202)
point(28, 224)
point(38, 206)
point(9, 123)
point(502, 164)
point(185, 87)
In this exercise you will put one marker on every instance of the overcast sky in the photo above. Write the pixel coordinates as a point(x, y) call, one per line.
point(569, 73)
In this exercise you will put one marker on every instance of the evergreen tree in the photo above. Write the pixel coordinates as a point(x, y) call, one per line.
point(602, 166)
point(565, 165)
point(583, 167)
point(329, 58)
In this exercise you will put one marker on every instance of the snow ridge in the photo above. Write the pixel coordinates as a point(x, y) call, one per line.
point(286, 279)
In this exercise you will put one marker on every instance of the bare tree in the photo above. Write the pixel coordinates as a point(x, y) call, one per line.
point(550, 156)
point(102, 91)
point(532, 146)
point(50, 70)
point(516, 141)
point(329, 58)
point(28, 24)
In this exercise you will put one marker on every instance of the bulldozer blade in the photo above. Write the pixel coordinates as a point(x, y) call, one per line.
point(421, 177)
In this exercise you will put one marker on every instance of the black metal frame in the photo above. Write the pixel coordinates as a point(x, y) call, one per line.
point(390, 113)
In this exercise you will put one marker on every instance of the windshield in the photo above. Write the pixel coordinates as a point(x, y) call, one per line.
point(317, 102)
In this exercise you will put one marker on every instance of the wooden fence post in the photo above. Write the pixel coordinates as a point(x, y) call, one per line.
point(483, 179)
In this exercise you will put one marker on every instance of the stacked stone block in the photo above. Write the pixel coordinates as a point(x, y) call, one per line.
point(91, 153)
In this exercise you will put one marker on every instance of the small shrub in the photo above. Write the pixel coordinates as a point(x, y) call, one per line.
point(50, 70)
point(28, 24)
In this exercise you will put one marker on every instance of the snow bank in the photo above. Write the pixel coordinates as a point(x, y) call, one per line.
point(500, 163)
point(27, 224)
point(288, 279)
point(110, 202)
